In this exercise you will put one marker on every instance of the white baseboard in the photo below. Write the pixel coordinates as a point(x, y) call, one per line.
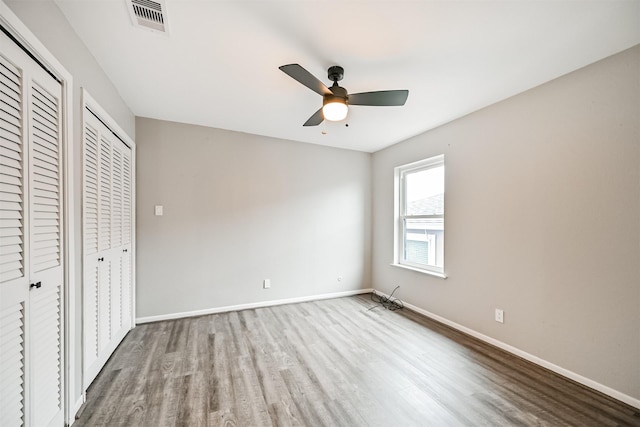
point(239, 307)
point(530, 357)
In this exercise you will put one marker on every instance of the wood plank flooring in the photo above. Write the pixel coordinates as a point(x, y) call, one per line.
point(330, 363)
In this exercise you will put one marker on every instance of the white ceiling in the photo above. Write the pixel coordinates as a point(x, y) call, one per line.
point(218, 66)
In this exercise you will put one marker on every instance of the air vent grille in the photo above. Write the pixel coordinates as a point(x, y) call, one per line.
point(148, 14)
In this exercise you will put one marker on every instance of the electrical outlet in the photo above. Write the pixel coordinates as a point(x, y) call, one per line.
point(266, 283)
point(499, 315)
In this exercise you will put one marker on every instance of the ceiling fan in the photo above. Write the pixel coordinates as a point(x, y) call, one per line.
point(336, 99)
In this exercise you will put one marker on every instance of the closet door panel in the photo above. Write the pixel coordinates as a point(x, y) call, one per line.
point(14, 285)
point(127, 226)
point(45, 250)
point(116, 236)
point(91, 235)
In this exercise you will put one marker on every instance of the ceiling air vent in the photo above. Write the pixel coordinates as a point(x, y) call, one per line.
point(149, 14)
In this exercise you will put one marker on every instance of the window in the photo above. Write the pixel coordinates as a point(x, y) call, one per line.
point(420, 215)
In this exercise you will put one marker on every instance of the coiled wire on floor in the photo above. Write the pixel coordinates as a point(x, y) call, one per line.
point(389, 303)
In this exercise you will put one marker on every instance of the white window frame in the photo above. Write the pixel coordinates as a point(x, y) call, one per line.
point(400, 173)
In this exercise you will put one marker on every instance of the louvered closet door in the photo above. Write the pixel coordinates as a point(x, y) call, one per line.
point(127, 220)
point(107, 243)
point(31, 316)
point(104, 242)
point(120, 238)
point(14, 280)
point(116, 237)
point(45, 250)
point(91, 159)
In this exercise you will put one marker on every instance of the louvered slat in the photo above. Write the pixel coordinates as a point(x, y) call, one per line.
point(10, 104)
point(10, 129)
point(44, 244)
point(45, 196)
point(10, 232)
point(7, 150)
point(45, 351)
point(48, 231)
point(49, 208)
point(10, 180)
point(11, 197)
point(7, 257)
point(12, 363)
point(44, 237)
point(11, 172)
point(45, 179)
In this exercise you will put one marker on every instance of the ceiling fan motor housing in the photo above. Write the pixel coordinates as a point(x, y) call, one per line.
point(336, 73)
point(336, 92)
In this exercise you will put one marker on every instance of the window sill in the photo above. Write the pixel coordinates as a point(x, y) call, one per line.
point(418, 270)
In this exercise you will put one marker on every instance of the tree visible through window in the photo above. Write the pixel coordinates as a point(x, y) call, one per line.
point(420, 217)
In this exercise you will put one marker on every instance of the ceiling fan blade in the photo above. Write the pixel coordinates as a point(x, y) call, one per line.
point(306, 78)
point(381, 98)
point(316, 119)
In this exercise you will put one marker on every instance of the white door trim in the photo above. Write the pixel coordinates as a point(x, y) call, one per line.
point(26, 38)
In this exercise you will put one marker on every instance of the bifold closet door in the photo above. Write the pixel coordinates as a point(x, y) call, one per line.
point(120, 238)
point(31, 257)
point(107, 243)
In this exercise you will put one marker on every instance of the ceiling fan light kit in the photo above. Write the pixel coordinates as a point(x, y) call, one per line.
point(336, 99)
point(334, 109)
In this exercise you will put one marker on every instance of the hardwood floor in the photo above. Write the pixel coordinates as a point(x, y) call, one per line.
point(330, 363)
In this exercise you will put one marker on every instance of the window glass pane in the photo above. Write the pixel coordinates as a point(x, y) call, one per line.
point(425, 192)
point(424, 241)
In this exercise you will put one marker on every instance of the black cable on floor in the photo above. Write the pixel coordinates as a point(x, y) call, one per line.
point(389, 303)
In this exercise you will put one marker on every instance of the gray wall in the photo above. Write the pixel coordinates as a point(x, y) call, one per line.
point(49, 25)
point(542, 220)
point(240, 208)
